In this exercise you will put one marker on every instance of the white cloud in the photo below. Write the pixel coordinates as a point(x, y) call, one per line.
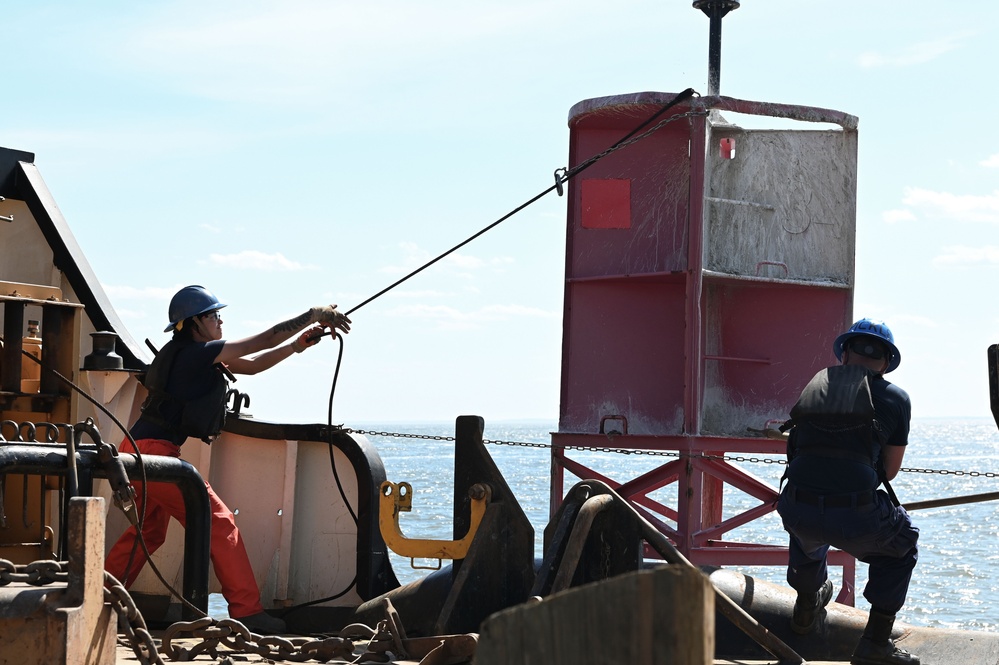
point(959, 255)
point(465, 262)
point(968, 208)
point(916, 54)
point(413, 258)
point(255, 260)
point(895, 216)
point(117, 293)
point(992, 162)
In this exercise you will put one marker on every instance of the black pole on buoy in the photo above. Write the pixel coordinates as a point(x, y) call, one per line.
point(716, 11)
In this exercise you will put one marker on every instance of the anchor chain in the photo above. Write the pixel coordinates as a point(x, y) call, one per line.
point(592, 449)
point(237, 638)
point(945, 472)
point(36, 573)
point(384, 642)
point(12, 431)
point(131, 622)
point(653, 453)
point(44, 572)
point(212, 632)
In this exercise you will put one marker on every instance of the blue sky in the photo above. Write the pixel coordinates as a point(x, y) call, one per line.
point(299, 153)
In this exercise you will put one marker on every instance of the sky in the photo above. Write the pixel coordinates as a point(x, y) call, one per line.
point(297, 153)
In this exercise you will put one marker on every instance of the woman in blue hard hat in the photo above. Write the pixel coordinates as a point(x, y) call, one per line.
point(831, 499)
point(187, 389)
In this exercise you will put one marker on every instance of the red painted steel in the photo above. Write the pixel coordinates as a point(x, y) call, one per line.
point(699, 300)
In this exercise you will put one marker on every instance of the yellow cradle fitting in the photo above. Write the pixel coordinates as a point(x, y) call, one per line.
point(394, 499)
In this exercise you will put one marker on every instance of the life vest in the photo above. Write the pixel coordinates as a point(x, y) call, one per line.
point(202, 417)
point(835, 418)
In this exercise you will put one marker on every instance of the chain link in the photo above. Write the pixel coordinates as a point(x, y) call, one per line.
point(945, 472)
point(211, 632)
point(381, 641)
point(41, 573)
point(233, 635)
point(236, 637)
point(27, 432)
point(398, 435)
point(131, 622)
point(655, 453)
point(37, 573)
point(592, 449)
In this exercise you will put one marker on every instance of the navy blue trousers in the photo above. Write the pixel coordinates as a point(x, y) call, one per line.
point(879, 534)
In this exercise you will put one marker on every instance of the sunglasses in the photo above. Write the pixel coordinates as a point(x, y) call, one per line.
point(869, 349)
point(212, 314)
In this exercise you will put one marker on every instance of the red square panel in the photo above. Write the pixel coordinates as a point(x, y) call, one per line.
point(606, 204)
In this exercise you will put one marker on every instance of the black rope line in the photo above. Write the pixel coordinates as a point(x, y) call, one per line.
point(336, 477)
point(559, 180)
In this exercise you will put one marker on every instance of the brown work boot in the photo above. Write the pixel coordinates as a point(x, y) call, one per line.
point(876, 647)
point(808, 607)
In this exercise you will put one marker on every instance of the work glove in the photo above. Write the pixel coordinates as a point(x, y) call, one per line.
point(331, 316)
point(308, 338)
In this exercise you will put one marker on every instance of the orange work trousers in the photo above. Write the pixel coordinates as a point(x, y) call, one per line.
point(228, 554)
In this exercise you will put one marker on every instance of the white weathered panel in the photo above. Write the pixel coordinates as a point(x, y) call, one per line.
point(785, 206)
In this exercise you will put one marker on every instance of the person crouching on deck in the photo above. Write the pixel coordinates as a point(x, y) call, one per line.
point(187, 390)
point(836, 464)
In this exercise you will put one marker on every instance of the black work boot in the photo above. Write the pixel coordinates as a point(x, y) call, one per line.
point(876, 647)
point(263, 624)
point(808, 607)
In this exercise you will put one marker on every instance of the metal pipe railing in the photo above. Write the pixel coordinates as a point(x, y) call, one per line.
point(589, 490)
point(951, 501)
point(52, 460)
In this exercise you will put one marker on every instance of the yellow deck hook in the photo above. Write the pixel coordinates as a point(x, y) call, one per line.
point(394, 499)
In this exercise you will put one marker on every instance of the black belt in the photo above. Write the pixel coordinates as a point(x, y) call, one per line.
point(832, 500)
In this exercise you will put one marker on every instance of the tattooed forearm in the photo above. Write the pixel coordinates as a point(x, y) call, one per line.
point(295, 324)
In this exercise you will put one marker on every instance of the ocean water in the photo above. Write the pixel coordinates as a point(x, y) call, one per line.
point(955, 584)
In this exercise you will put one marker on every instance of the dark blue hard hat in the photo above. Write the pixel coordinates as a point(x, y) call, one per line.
point(870, 328)
point(191, 301)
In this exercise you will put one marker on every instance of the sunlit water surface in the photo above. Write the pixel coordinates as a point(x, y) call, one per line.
point(956, 583)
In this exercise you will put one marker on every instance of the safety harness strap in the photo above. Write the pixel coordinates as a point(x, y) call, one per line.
point(202, 417)
point(835, 418)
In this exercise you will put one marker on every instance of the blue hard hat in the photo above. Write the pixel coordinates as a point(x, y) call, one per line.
point(870, 328)
point(191, 301)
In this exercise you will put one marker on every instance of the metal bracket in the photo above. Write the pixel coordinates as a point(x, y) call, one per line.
point(394, 499)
